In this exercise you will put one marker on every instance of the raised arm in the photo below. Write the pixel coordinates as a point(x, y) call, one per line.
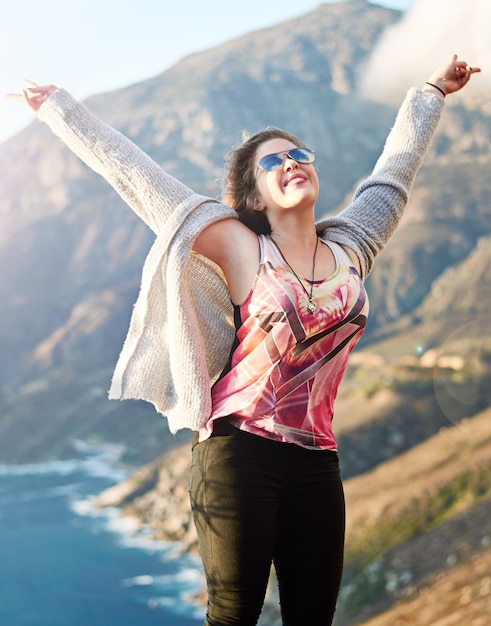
point(379, 202)
point(143, 184)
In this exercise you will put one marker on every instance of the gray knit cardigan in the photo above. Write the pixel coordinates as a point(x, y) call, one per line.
point(181, 329)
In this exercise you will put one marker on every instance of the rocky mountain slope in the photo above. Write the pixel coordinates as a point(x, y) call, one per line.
point(463, 596)
point(72, 254)
point(412, 415)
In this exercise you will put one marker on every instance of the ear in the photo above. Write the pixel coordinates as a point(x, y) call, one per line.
point(259, 204)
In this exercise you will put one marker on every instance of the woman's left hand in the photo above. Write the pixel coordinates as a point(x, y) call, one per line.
point(453, 76)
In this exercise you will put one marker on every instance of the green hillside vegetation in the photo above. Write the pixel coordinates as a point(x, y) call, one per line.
point(416, 516)
point(463, 596)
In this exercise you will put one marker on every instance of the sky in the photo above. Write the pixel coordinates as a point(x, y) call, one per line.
point(95, 46)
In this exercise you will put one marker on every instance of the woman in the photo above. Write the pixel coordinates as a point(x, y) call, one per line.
point(242, 330)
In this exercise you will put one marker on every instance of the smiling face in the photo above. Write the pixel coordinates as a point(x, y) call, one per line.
point(243, 181)
point(292, 186)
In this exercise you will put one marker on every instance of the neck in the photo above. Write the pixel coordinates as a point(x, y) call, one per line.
point(294, 228)
point(300, 239)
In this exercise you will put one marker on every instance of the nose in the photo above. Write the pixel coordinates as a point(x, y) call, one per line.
point(289, 164)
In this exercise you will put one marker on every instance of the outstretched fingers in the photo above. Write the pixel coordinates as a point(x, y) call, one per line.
point(32, 94)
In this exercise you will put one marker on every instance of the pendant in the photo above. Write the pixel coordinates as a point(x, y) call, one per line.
point(311, 307)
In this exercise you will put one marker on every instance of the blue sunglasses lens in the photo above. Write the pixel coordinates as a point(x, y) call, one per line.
point(272, 162)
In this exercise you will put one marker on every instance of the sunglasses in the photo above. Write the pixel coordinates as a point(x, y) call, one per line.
point(272, 162)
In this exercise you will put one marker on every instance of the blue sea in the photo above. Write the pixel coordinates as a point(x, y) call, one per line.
point(63, 562)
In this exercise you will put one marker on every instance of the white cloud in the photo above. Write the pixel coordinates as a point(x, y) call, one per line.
point(427, 36)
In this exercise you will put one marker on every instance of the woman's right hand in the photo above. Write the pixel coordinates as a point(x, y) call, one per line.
point(33, 95)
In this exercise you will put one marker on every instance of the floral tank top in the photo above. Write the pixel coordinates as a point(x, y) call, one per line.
point(287, 363)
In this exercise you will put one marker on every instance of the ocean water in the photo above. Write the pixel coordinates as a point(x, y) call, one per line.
point(65, 563)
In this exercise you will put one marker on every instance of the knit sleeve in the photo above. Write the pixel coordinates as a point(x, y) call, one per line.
point(367, 223)
point(143, 184)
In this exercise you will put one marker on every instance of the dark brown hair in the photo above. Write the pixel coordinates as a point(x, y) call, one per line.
point(239, 188)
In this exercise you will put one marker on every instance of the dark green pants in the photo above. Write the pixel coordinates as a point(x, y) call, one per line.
point(257, 501)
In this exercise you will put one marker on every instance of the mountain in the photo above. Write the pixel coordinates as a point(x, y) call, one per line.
point(72, 253)
point(412, 414)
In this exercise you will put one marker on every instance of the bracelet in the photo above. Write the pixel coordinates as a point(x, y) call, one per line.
point(436, 87)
